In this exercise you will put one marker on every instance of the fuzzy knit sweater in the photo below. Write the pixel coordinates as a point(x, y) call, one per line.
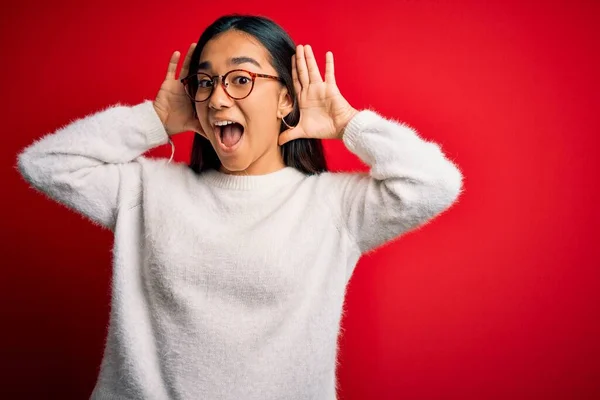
point(232, 287)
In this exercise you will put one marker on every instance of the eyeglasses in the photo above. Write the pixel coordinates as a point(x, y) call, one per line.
point(237, 83)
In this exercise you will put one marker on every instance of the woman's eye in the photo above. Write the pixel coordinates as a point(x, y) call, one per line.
point(241, 80)
point(205, 83)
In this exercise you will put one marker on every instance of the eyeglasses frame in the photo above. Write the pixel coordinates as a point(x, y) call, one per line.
point(222, 78)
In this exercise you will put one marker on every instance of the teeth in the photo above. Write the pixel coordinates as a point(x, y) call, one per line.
point(223, 123)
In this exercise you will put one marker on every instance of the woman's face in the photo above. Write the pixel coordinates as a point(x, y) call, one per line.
point(250, 145)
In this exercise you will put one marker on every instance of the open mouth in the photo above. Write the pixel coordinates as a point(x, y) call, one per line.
point(229, 133)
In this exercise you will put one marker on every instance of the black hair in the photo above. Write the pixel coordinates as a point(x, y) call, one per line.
point(305, 155)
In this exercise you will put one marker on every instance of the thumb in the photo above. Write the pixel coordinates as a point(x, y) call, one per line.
point(196, 127)
point(290, 134)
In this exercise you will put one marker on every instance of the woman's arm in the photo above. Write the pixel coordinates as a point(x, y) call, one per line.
point(83, 165)
point(410, 181)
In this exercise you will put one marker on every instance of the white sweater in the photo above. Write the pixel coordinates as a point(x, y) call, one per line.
point(232, 287)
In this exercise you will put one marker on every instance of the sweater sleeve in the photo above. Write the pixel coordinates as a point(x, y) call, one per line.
point(83, 165)
point(409, 183)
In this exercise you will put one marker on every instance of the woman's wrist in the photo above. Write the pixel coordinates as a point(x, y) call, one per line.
point(345, 121)
point(162, 117)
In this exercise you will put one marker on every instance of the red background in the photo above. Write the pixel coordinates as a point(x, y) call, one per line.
point(495, 299)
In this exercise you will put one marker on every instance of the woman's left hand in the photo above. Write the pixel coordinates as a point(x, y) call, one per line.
point(324, 112)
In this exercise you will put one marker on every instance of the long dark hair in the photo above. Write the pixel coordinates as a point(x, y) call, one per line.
point(305, 155)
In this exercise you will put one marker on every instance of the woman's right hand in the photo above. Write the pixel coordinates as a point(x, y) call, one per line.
point(173, 106)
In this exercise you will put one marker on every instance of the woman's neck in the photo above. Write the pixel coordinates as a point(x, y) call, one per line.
point(265, 164)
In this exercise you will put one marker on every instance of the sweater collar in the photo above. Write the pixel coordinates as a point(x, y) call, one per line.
point(282, 177)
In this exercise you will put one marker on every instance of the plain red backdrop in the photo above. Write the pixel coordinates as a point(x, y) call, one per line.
point(497, 298)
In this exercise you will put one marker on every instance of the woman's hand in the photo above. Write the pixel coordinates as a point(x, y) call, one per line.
point(324, 113)
point(172, 104)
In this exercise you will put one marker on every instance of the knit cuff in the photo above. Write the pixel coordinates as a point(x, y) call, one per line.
point(150, 124)
point(356, 125)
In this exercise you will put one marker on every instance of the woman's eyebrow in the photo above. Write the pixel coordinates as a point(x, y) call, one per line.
point(231, 61)
point(204, 65)
point(242, 60)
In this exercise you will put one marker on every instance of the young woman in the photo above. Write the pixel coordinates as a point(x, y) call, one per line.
point(230, 273)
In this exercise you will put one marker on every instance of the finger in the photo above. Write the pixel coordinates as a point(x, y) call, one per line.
point(197, 127)
point(297, 84)
point(186, 63)
point(329, 68)
point(172, 65)
point(313, 69)
point(289, 135)
point(301, 66)
point(200, 132)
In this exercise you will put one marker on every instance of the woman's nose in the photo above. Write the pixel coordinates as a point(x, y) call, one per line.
point(219, 98)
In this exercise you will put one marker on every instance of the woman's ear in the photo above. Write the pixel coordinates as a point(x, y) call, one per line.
point(286, 104)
